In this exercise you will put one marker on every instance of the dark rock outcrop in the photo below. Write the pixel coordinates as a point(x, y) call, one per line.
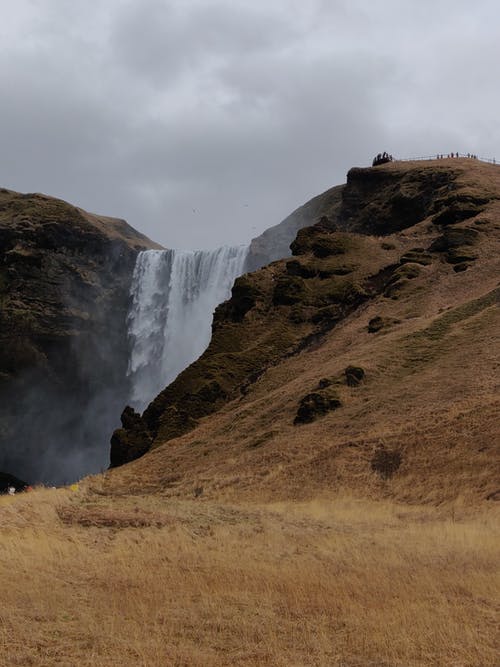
point(131, 441)
point(455, 244)
point(387, 200)
point(354, 375)
point(274, 243)
point(64, 287)
point(315, 405)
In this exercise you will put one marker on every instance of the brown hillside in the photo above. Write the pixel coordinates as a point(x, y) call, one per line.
point(321, 488)
point(415, 306)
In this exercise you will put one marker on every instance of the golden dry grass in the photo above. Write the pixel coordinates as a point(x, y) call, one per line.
point(336, 581)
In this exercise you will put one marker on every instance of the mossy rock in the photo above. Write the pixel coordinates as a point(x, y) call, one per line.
point(174, 422)
point(345, 291)
point(459, 255)
point(328, 245)
point(244, 296)
point(378, 323)
point(460, 268)
point(315, 405)
point(131, 441)
point(400, 279)
point(408, 271)
point(354, 375)
point(455, 238)
point(301, 245)
point(340, 270)
point(457, 212)
point(395, 290)
point(416, 256)
point(288, 290)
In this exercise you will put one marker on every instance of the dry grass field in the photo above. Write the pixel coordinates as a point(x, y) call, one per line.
point(88, 579)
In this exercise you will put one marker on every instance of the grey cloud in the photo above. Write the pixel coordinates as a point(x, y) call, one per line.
point(203, 122)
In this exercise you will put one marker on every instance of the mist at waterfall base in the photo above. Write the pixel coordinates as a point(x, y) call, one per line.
point(174, 295)
point(56, 423)
point(59, 435)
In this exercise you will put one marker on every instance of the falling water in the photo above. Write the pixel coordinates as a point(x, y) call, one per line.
point(174, 294)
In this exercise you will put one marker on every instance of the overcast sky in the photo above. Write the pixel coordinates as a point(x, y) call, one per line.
point(203, 122)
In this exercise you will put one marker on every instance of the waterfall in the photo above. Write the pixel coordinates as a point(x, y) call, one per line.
point(173, 297)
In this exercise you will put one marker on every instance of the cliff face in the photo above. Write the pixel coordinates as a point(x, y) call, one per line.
point(275, 242)
point(356, 356)
point(64, 282)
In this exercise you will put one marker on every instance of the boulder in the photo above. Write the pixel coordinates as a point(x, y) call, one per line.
point(131, 441)
point(314, 405)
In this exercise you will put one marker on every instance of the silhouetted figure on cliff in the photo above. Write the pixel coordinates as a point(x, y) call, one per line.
point(382, 158)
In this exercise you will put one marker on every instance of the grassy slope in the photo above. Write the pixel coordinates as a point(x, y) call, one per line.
point(250, 541)
point(430, 393)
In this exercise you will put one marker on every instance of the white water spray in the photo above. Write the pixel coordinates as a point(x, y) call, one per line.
point(174, 295)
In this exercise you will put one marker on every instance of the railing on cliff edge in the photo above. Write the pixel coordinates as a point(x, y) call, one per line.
point(447, 157)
